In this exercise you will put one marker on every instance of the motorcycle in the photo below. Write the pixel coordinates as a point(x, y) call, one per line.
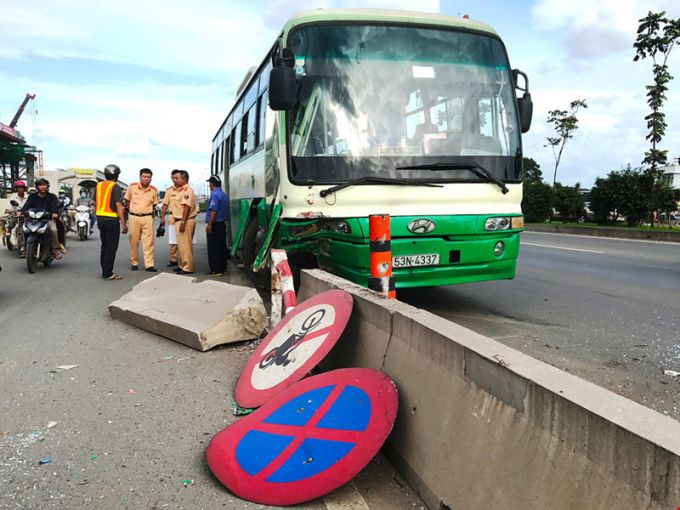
point(38, 239)
point(66, 217)
point(82, 221)
point(8, 224)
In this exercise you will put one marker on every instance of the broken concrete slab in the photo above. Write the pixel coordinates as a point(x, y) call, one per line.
point(200, 315)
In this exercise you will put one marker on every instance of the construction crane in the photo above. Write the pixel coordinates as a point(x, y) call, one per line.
point(15, 120)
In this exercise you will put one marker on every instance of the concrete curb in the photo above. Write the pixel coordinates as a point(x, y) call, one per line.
point(481, 425)
point(651, 235)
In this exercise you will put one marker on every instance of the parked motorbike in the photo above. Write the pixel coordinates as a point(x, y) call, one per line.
point(38, 239)
point(82, 221)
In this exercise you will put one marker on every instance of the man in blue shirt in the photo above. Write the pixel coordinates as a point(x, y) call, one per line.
point(216, 228)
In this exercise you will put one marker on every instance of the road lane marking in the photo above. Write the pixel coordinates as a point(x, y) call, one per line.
point(600, 238)
point(346, 497)
point(560, 247)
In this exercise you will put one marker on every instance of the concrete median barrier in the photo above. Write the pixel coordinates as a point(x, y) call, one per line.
point(484, 426)
point(200, 315)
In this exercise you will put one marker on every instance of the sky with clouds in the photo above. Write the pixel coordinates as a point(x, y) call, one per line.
point(148, 83)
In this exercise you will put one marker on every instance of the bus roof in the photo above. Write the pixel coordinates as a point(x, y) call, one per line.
point(385, 15)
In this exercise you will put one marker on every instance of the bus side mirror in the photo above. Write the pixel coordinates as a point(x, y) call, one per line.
point(282, 82)
point(526, 111)
point(282, 88)
point(525, 105)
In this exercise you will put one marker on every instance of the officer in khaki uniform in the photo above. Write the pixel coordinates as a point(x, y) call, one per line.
point(183, 210)
point(141, 198)
point(171, 202)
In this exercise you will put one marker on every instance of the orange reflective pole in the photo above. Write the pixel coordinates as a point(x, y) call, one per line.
point(380, 253)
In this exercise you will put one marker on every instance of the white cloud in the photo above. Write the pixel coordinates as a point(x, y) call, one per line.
point(592, 29)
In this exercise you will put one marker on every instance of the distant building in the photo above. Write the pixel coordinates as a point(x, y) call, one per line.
point(671, 174)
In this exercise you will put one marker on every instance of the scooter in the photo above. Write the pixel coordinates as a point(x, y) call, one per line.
point(82, 221)
point(8, 224)
point(38, 239)
point(66, 217)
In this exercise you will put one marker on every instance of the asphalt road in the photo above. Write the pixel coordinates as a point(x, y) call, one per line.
point(607, 310)
point(134, 417)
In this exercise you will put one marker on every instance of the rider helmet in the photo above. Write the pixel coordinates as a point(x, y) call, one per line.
point(62, 191)
point(112, 172)
point(42, 180)
point(19, 184)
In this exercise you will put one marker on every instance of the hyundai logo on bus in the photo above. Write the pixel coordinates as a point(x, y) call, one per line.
point(421, 226)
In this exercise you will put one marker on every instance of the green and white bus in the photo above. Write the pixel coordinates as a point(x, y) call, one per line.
point(356, 112)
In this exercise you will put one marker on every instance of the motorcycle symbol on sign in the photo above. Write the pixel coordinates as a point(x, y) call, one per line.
point(279, 355)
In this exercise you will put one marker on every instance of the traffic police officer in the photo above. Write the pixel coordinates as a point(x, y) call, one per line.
point(141, 198)
point(171, 201)
point(110, 219)
point(183, 210)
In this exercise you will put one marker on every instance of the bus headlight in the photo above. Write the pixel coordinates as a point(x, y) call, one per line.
point(339, 226)
point(500, 223)
point(517, 222)
point(498, 248)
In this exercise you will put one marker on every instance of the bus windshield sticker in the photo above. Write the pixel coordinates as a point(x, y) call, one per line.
point(423, 72)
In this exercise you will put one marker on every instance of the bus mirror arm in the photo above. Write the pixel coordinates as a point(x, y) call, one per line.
point(282, 82)
point(524, 104)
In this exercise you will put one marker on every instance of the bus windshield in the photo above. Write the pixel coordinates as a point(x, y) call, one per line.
point(374, 98)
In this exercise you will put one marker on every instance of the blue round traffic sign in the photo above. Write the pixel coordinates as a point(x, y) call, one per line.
point(308, 440)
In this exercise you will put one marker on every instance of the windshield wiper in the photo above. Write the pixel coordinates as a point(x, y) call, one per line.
point(379, 180)
point(475, 168)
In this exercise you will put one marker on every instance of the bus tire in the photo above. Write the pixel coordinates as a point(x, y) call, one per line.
point(251, 246)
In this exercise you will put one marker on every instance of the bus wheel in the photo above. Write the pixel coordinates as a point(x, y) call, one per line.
point(252, 242)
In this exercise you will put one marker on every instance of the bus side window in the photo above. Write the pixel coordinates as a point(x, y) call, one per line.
point(236, 143)
point(244, 135)
point(262, 114)
point(225, 156)
point(251, 129)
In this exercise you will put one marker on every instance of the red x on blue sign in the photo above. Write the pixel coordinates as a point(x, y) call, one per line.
point(307, 441)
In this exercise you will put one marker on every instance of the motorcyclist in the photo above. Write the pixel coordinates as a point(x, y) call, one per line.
point(20, 197)
point(87, 202)
point(64, 201)
point(64, 221)
point(47, 201)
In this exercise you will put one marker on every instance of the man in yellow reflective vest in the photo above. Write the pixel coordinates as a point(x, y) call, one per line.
point(110, 219)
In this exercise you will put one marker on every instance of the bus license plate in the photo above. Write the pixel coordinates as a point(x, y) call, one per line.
point(428, 259)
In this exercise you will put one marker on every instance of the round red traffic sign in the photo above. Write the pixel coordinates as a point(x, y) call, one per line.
point(295, 346)
point(308, 440)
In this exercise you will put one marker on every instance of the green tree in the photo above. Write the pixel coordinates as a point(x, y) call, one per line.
point(656, 36)
point(537, 197)
point(625, 192)
point(602, 200)
point(568, 201)
point(565, 123)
